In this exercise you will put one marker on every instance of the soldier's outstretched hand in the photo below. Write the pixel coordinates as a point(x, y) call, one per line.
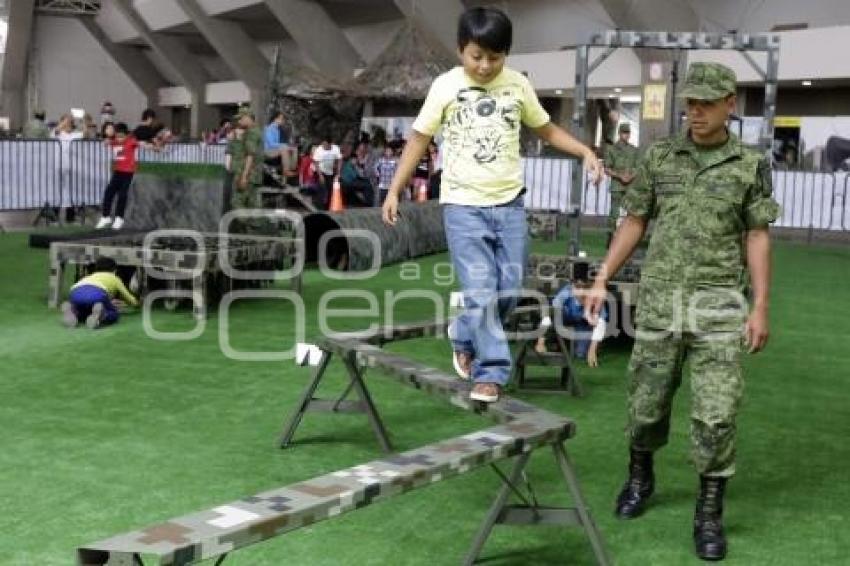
point(756, 331)
point(594, 167)
point(595, 302)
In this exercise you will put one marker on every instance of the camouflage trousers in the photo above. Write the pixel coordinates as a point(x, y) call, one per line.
point(247, 199)
point(655, 373)
point(614, 213)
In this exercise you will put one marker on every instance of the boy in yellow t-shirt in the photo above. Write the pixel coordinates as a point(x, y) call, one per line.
point(480, 107)
point(93, 298)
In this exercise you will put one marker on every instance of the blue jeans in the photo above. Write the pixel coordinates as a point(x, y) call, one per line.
point(488, 246)
point(84, 297)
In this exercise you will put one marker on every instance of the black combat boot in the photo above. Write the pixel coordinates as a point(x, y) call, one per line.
point(709, 540)
point(632, 500)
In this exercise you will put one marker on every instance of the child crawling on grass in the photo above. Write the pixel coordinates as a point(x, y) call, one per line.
point(95, 299)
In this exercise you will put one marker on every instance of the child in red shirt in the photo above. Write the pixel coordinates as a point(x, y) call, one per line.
point(124, 165)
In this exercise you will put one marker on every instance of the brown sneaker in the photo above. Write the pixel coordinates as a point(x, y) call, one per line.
point(462, 362)
point(486, 392)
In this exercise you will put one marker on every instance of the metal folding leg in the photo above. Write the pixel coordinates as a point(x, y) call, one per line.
point(530, 513)
point(309, 402)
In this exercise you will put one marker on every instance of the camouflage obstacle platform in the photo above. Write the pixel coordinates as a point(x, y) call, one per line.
point(210, 264)
point(521, 429)
point(419, 232)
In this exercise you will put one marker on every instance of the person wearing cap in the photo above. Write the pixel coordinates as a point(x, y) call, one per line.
point(36, 129)
point(710, 199)
point(247, 161)
point(621, 160)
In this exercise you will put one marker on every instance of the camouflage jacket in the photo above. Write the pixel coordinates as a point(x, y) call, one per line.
point(621, 157)
point(703, 200)
point(250, 144)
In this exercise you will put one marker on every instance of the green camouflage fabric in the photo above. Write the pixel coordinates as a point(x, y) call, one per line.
point(250, 144)
point(716, 387)
point(708, 81)
point(543, 224)
point(702, 201)
point(36, 130)
point(691, 304)
point(621, 157)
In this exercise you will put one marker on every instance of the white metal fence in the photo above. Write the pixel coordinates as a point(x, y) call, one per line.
point(809, 199)
point(35, 172)
point(75, 173)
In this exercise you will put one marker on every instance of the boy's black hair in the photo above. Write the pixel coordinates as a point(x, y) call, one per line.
point(581, 272)
point(148, 114)
point(275, 115)
point(121, 128)
point(105, 264)
point(488, 27)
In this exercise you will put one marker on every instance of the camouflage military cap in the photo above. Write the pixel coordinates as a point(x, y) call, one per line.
point(708, 81)
point(243, 111)
point(625, 127)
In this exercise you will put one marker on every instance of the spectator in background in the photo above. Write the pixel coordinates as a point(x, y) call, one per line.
point(327, 160)
point(276, 146)
point(107, 114)
point(356, 186)
point(66, 132)
point(437, 168)
point(221, 135)
point(385, 169)
point(89, 130)
point(36, 128)
point(107, 132)
point(147, 130)
point(421, 176)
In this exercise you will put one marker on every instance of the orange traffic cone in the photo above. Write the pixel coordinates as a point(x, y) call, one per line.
point(422, 194)
point(336, 198)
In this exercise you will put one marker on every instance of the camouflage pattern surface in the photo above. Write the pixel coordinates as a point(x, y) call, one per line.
point(251, 143)
point(543, 224)
point(621, 157)
point(36, 130)
point(685, 40)
point(176, 200)
point(702, 201)
point(419, 232)
point(176, 254)
point(655, 373)
point(690, 304)
point(228, 527)
point(708, 81)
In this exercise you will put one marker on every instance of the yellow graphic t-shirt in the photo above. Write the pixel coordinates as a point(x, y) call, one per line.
point(481, 124)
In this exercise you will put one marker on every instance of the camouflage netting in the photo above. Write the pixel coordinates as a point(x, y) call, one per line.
point(315, 105)
point(407, 67)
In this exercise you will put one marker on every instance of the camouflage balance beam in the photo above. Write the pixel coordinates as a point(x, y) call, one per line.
point(522, 428)
point(197, 258)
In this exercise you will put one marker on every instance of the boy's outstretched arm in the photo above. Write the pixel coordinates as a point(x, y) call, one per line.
point(414, 149)
point(560, 139)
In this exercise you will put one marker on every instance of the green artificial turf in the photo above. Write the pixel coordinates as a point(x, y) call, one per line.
point(182, 170)
point(109, 431)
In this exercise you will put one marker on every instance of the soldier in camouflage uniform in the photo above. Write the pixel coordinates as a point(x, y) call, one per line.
point(710, 199)
point(621, 161)
point(247, 165)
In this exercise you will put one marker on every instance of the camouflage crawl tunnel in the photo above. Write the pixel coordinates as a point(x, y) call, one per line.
point(357, 238)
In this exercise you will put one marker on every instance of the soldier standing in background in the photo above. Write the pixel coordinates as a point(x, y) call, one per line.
point(710, 199)
point(621, 160)
point(247, 163)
